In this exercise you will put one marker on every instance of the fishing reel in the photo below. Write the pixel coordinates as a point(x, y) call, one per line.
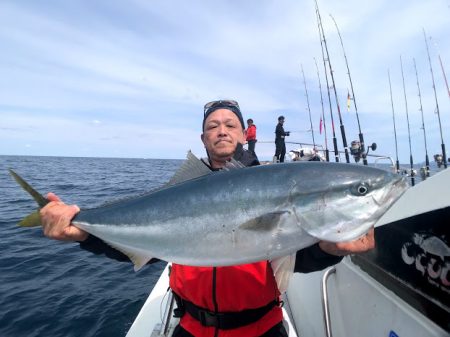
point(424, 172)
point(357, 150)
point(439, 159)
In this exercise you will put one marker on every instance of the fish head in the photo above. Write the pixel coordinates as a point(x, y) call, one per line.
point(344, 201)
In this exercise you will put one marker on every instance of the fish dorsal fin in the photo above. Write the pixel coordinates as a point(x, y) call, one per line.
point(191, 168)
point(233, 164)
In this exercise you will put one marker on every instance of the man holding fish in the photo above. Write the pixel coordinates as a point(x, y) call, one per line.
point(226, 300)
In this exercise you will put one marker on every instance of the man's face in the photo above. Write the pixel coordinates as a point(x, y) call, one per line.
point(223, 131)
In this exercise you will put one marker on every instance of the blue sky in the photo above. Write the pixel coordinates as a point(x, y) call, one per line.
point(130, 78)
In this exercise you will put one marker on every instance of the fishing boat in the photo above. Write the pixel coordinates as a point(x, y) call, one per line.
point(401, 288)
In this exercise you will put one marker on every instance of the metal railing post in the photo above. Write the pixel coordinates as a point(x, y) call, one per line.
point(325, 306)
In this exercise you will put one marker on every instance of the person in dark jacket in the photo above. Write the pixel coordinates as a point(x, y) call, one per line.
point(280, 145)
point(217, 301)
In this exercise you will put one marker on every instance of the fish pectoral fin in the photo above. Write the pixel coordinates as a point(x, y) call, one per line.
point(138, 257)
point(265, 222)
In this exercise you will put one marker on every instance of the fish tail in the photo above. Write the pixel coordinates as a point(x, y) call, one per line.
point(33, 219)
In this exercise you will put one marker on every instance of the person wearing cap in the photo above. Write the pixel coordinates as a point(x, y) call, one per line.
point(250, 133)
point(280, 145)
point(231, 301)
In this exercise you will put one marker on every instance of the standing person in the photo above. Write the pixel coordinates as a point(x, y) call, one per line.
point(231, 301)
point(280, 145)
point(251, 135)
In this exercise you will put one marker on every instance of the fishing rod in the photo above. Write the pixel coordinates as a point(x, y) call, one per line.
point(443, 74)
point(361, 136)
point(309, 109)
point(442, 68)
point(344, 139)
point(427, 161)
point(444, 155)
point(407, 120)
point(397, 163)
point(322, 121)
point(336, 151)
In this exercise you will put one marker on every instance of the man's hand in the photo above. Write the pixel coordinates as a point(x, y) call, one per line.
point(56, 219)
point(361, 245)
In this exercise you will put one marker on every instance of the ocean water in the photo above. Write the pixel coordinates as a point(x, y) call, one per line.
point(52, 288)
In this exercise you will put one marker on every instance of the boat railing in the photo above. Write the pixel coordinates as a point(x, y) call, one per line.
point(379, 158)
point(325, 306)
point(167, 314)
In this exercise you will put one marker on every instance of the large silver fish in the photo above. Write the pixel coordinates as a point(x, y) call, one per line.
point(241, 215)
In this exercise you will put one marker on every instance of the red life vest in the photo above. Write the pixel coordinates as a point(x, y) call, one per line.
point(234, 289)
point(251, 132)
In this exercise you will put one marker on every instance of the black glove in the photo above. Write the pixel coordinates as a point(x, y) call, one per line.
point(287, 133)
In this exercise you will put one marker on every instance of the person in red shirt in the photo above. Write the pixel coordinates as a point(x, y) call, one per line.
point(251, 135)
point(231, 301)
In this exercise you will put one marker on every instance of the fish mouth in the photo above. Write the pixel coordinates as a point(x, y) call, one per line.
point(392, 192)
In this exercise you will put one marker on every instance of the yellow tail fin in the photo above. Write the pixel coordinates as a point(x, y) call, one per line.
point(34, 219)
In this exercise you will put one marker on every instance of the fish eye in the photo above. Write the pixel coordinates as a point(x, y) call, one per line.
point(362, 189)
